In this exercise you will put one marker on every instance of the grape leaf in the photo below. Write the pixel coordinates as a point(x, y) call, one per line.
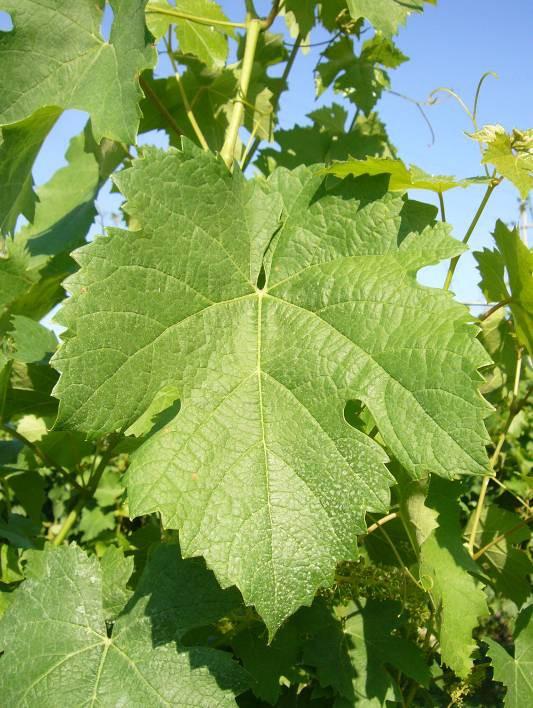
point(303, 12)
point(63, 215)
point(265, 662)
point(17, 272)
point(30, 339)
point(259, 470)
point(445, 568)
point(511, 154)
point(351, 653)
point(116, 571)
point(19, 146)
point(55, 627)
point(514, 257)
point(508, 568)
point(385, 15)
point(402, 178)
point(516, 673)
point(55, 57)
point(207, 42)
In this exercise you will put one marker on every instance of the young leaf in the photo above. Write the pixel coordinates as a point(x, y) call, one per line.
point(401, 178)
point(55, 57)
point(259, 470)
point(385, 15)
point(517, 260)
point(207, 42)
point(70, 658)
point(17, 273)
point(31, 340)
point(445, 568)
point(516, 673)
point(511, 154)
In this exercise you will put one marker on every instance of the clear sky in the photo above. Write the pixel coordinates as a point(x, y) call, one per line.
point(451, 44)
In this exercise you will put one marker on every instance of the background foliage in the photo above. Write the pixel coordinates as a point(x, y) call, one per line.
point(386, 559)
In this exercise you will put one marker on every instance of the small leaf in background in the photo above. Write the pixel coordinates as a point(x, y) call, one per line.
point(44, 62)
point(386, 16)
point(94, 522)
point(515, 260)
point(19, 146)
point(509, 568)
point(510, 153)
point(31, 340)
point(351, 653)
point(402, 177)
point(303, 16)
point(446, 573)
point(516, 673)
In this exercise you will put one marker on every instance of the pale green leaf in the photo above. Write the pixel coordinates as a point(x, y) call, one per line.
point(386, 15)
point(516, 673)
point(514, 258)
point(402, 177)
point(260, 471)
point(55, 57)
point(445, 571)
point(19, 146)
point(207, 42)
point(31, 340)
point(510, 153)
point(55, 627)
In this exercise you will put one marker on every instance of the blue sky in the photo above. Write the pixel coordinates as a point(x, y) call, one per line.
point(451, 44)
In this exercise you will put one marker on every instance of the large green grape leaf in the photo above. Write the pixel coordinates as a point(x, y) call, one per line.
point(510, 153)
point(55, 56)
point(259, 470)
point(385, 15)
point(19, 146)
point(56, 629)
point(516, 673)
point(445, 571)
point(401, 178)
point(516, 259)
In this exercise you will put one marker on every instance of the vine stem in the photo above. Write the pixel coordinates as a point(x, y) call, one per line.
point(160, 106)
point(227, 153)
point(288, 67)
point(380, 522)
point(453, 263)
point(72, 516)
point(499, 538)
point(494, 458)
point(186, 104)
point(210, 22)
point(494, 309)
